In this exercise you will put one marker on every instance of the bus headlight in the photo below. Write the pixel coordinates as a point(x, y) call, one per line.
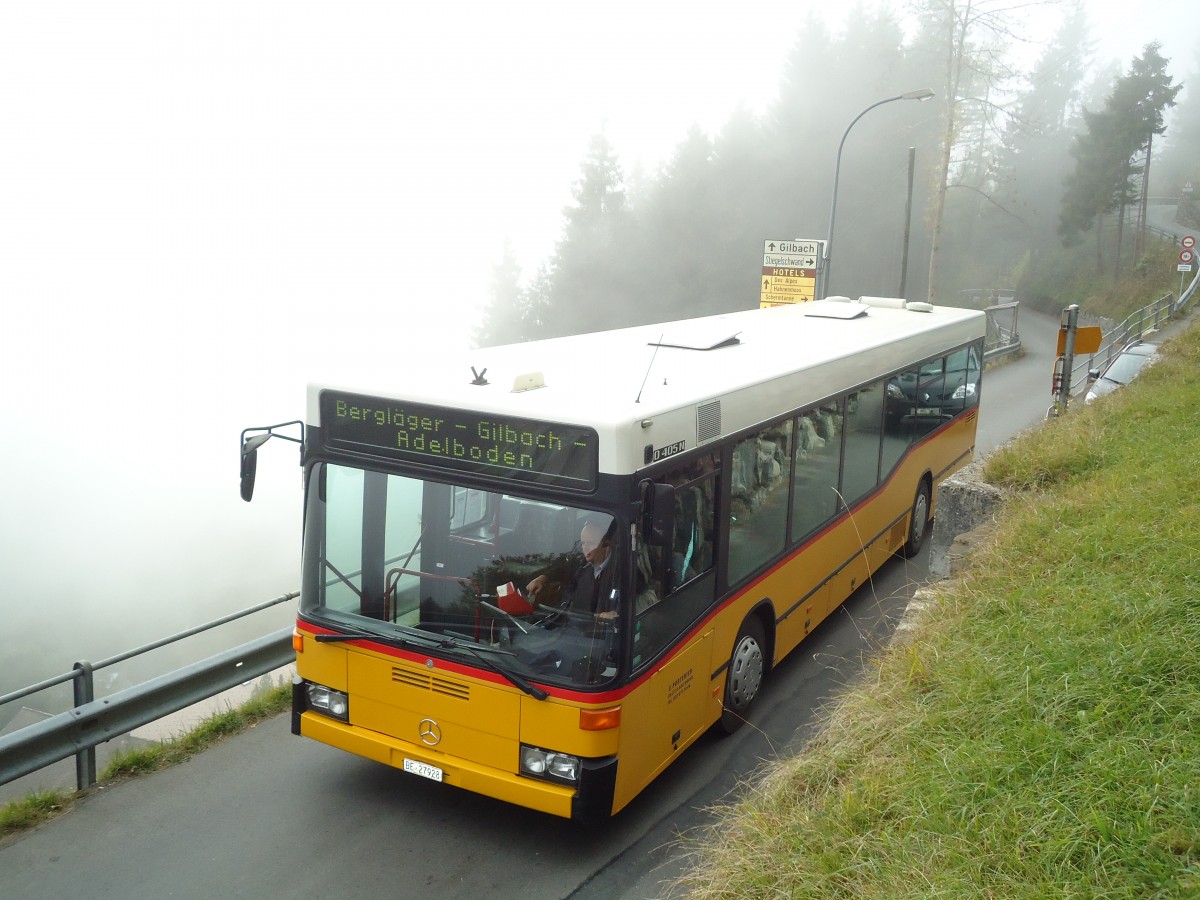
point(549, 765)
point(332, 703)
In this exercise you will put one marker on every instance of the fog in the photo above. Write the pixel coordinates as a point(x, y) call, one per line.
point(205, 205)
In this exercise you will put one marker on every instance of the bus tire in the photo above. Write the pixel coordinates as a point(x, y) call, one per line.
point(747, 666)
point(918, 522)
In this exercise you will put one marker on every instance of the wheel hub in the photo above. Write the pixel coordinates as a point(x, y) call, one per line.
point(745, 673)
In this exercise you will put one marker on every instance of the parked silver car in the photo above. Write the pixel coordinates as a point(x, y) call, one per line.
point(1122, 369)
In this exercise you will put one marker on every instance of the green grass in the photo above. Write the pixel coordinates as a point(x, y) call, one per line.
point(32, 811)
point(1040, 737)
point(38, 808)
point(213, 729)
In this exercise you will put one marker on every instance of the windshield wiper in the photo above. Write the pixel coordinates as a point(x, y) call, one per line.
point(474, 649)
point(531, 689)
point(413, 639)
point(404, 641)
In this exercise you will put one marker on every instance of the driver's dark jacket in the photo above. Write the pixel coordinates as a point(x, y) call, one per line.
point(588, 593)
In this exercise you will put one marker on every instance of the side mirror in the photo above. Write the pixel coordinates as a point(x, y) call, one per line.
point(250, 462)
point(658, 513)
point(1094, 375)
point(249, 452)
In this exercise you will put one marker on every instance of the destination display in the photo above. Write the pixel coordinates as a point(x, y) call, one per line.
point(484, 443)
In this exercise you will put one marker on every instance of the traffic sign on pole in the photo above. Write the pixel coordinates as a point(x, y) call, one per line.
point(1188, 242)
point(1186, 256)
point(789, 271)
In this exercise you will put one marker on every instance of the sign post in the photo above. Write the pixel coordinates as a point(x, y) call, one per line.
point(789, 271)
point(1186, 256)
point(1072, 339)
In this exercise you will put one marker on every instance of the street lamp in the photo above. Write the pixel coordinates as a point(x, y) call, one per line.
point(921, 94)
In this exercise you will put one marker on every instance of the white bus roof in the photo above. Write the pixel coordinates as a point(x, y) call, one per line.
point(689, 381)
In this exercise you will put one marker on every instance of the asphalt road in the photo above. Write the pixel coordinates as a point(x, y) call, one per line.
point(267, 814)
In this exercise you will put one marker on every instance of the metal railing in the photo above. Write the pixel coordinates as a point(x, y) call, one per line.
point(1116, 336)
point(1003, 336)
point(92, 721)
point(1137, 325)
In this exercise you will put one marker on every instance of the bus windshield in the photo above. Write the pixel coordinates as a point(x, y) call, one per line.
point(533, 586)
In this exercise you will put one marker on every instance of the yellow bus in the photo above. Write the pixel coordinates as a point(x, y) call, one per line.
point(540, 572)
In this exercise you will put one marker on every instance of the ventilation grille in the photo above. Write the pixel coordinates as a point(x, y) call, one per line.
point(708, 421)
point(434, 683)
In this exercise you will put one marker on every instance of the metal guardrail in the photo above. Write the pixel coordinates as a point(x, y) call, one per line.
point(1136, 326)
point(1149, 318)
point(79, 730)
point(1003, 336)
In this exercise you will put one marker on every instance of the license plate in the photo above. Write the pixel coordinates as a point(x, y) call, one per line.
point(928, 411)
point(425, 770)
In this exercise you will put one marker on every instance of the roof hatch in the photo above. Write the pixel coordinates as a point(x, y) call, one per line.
point(698, 335)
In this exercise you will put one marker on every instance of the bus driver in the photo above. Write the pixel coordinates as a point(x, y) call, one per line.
point(589, 590)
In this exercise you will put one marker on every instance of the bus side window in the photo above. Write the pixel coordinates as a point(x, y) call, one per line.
point(962, 380)
point(695, 519)
point(818, 461)
point(864, 434)
point(675, 583)
point(762, 474)
point(649, 581)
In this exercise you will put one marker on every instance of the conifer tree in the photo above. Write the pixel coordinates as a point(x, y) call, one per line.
point(1113, 154)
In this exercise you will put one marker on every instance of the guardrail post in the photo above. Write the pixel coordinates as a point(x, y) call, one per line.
point(85, 759)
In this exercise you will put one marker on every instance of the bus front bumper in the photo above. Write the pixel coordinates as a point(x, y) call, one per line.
point(590, 801)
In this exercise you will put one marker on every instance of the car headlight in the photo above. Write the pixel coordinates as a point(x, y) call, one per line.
point(549, 765)
point(332, 703)
point(893, 391)
point(964, 390)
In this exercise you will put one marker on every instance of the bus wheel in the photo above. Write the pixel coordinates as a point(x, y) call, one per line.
point(918, 523)
point(744, 678)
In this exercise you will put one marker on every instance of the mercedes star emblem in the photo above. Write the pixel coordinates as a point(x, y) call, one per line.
point(429, 732)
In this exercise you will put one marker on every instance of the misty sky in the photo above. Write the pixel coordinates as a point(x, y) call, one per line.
point(204, 204)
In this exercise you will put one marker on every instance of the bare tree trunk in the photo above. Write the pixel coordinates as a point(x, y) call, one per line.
point(954, 56)
point(1145, 207)
point(939, 206)
point(1120, 236)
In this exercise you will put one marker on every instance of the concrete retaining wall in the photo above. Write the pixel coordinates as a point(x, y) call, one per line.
point(966, 504)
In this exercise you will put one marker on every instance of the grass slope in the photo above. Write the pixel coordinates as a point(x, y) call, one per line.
point(1040, 736)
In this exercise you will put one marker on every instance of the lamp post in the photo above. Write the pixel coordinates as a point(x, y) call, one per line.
point(921, 94)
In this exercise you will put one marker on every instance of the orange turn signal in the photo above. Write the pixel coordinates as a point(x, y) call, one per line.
point(599, 719)
point(297, 642)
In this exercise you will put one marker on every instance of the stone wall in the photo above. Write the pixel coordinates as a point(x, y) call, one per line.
point(966, 505)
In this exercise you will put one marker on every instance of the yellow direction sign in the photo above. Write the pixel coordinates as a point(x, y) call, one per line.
point(782, 285)
point(1087, 339)
point(789, 271)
